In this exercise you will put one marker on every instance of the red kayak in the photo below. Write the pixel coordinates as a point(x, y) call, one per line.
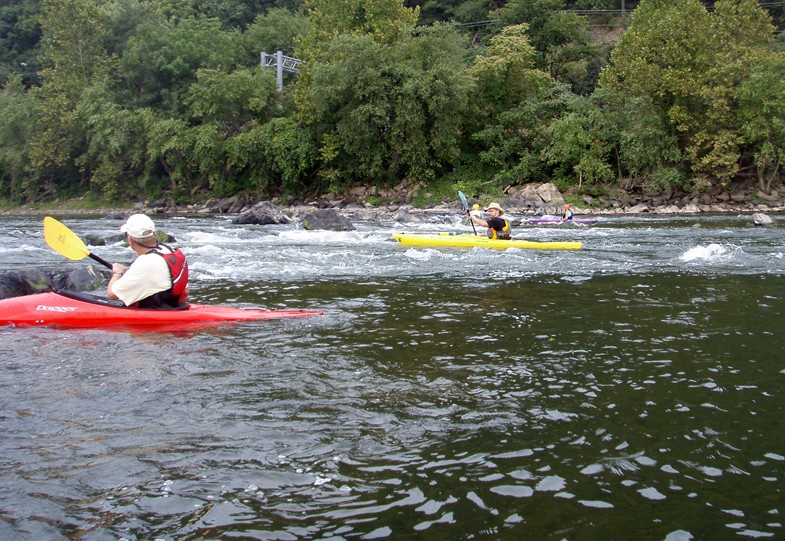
point(74, 309)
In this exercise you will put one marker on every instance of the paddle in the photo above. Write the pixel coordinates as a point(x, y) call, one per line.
point(466, 208)
point(65, 242)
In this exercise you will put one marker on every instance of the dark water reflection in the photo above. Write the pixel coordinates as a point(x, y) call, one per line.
point(615, 405)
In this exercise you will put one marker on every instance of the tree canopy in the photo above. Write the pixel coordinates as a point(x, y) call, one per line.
point(153, 98)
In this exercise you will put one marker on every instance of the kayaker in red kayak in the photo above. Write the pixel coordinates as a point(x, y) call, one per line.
point(158, 277)
point(498, 227)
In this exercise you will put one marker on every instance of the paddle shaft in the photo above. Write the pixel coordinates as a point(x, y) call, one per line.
point(101, 260)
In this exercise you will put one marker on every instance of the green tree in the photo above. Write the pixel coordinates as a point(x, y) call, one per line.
point(561, 39)
point(642, 148)
point(74, 57)
point(508, 111)
point(690, 63)
point(506, 74)
point(16, 119)
point(241, 13)
point(384, 21)
point(164, 56)
point(116, 151)
point(224, 106)
point(171, 143)
point(433, 11)
point(232, 99)
point(275, 31)
point(391, 111)
point(279, 154)
point(762, 114)
point(20, 34)
point(512, 143)
point(579, 145)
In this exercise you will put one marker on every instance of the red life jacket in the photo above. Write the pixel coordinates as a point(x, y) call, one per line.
point(178, 272)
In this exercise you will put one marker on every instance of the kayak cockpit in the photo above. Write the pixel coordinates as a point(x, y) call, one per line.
point(103, 301)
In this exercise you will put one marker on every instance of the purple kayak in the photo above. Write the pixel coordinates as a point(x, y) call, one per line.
point(555, 220)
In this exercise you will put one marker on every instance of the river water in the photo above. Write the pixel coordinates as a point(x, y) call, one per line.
point(630, 390)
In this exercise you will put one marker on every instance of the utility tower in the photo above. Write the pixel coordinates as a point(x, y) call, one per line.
point(281, 64)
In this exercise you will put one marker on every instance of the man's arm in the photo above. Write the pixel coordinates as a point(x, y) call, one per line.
point(118, 269)
point(478, 221)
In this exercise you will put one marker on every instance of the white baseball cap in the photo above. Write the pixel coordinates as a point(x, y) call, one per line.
point(139, 226)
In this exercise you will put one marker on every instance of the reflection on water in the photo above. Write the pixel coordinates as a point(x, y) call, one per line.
point(627, 391)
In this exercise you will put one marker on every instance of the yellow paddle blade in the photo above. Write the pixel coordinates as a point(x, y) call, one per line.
point(64, 241)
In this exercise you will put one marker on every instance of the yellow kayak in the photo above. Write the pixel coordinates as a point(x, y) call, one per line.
point(467, 240)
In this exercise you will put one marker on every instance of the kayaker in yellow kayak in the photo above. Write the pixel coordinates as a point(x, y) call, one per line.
point(498, 227)
point(158, 277)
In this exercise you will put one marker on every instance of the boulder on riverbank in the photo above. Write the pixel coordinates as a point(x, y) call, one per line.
point(263, 213)
point(762, 219)
point(396, 204)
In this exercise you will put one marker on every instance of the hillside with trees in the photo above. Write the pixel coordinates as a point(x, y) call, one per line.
point(146, 99)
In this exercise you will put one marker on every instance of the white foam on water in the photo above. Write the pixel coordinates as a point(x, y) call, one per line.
point(711, 471)
point(325, 237)
point(679, 535)
point(513, 490)
point(712, 252)
point(597, 504)
point(514, 454)
point(552, 483)
point(422, 255)
point(208, 249)
point(651, 493)
point(592, 469)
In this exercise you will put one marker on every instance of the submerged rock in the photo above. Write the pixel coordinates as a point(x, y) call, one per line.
point(28, 282)
point(327, 219)
point(17, 283)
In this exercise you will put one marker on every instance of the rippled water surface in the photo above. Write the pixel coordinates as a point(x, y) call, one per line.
point(630, 390)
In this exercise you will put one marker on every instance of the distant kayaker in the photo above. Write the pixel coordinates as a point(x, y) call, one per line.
point(476, 212)
point(498, 227)
point(568, 214)
point(158, 277)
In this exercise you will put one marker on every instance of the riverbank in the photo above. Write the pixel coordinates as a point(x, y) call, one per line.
point(362, 205)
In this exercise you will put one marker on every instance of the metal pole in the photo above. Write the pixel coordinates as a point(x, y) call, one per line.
point(279, 68)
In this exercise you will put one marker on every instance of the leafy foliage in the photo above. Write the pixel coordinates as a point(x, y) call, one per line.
point(762, 115)
point(20, 34)
point(275, 31)
point(560, 38)
point(164, 56)
point(16, 113)
point(146, 98)
point(390, 111)
point(690, 64)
